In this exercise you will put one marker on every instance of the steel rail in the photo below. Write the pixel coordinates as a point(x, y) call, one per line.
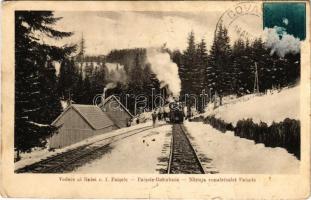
point(75, 153)
point(193, 152)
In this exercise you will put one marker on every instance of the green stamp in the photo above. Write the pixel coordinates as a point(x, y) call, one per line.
point(289, 18)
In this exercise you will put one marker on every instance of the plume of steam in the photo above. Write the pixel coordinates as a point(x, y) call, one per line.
point(170, 99)
point(115, 75)
point(281, 45)
point(111, 85)
point(165, 70)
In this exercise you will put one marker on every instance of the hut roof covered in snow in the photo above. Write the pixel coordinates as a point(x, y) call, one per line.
point(92, 114)
point(112, 97)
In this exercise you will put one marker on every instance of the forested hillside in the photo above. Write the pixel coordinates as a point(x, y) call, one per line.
point(226, 69)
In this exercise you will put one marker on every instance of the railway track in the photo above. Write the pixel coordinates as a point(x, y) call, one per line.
point(183, 158)
point(71, 159)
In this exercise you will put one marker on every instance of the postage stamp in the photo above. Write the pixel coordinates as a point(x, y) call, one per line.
point(289, 17)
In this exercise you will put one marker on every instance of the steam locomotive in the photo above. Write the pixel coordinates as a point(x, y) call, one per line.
point(176, 114)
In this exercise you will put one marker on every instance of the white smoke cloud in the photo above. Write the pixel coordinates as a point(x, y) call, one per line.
point(111, 85)
point(165, 70)
point(282, 46)
point(115, 74)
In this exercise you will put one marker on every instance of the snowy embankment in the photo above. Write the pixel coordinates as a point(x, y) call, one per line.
point(267, 108)
point(40, 154)
point(136, 154)
point(232, 154)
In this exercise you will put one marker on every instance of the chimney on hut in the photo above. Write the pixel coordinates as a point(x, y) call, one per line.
point(104, 96)
point(104, 93)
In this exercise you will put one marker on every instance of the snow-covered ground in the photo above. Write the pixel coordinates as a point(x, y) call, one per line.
point(143, 117)
point(231, 154)
point(136, 154)
point(267, 108)
point(40, 154)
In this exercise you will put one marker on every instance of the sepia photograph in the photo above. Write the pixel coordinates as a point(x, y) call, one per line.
point(155, 99)
point(159, 92)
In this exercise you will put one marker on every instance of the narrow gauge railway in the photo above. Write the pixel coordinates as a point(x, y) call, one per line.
point(183, 158)
point(71, 159)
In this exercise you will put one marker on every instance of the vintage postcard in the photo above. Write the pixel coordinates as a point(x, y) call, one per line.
point(155, 99)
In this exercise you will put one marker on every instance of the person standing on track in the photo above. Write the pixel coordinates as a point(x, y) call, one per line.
point(154, 118)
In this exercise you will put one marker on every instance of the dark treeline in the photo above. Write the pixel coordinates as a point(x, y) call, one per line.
point(78, 84)
point(285, 134)
point(127, 57)
point(36, 101)
point(226, 69)
point(87, 58)
point(81, 84)
point(223, 69)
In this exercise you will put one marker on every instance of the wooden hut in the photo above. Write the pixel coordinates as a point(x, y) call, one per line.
point(116, 111)
point(78, 122)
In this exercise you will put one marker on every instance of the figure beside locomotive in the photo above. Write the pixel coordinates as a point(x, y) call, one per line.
point(176, 113)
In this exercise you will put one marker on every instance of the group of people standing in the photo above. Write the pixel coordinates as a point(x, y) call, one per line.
point(161, 113)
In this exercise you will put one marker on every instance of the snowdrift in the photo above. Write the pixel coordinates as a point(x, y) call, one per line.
point(271, 119)
point(232, 155)
point(274, 106)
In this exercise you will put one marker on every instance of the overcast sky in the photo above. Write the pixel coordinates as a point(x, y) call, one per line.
point(107, 30)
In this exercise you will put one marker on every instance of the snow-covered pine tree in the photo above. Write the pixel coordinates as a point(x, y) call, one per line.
point(78, 89)
point(81, 53)
point(200, 82)
point(212, 69)
point(50, 106)
point(237, 63)
point(89, 69)
point(136, 75)
point(219, 64)
point(98, 80)
point(67, 78)
point(135, 82)
point(292, 68)
point(225, 61)
point(242, 65)
point(202, 65)
point(31, 55)
point(86, 91)
point(247, 69)
point(258, 55)
point(177, 57)
point(150, 83)
point(187, 69)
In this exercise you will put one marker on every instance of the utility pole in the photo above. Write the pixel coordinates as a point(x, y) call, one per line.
point(256, 82)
